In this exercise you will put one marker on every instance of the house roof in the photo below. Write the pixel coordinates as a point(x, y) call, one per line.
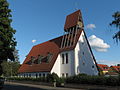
point(72, 19)
point(116, 68)
point(52, 46)
point(103, 67)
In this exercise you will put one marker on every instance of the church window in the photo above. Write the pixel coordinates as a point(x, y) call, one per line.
point(24, 75)
point(82, 43)
point(83, 63)
point(43, 74)
point(83, 53)
point(66, 58)
point(63, 75)
point(66, 74)
point(36, 75)
point(92, 66)
point(39, 74)
point(63, 58)
point(29, 75)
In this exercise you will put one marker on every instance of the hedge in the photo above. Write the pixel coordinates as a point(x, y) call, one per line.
point(78, 79)
point(94, 80)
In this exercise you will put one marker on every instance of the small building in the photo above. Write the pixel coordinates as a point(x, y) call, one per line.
point(104, 69)
point(67, 55)
point(115, 69)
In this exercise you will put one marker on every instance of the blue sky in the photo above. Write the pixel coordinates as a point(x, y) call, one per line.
point(42, 20)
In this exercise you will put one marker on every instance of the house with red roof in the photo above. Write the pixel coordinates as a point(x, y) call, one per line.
point(67, 55)
point(115, 69)
point(104, 69)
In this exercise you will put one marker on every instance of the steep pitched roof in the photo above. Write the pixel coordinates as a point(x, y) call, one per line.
point(52, 46)
point(72, 19)
point(103, 67)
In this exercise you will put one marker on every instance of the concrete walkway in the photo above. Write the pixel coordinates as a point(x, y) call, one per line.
point(41, 86)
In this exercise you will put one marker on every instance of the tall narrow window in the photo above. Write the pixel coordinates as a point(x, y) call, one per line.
point(83, 63)
point(29, 75)
point(92, 66)
point(66, 74)
point(66, 58)
point(83, 53)
point(24, 75)
point(36, 75)
point(63, 59)
point(39, 74)
point(43, 74)
point(63, 75)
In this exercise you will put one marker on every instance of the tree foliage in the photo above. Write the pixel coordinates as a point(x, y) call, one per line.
point(10, 68)
point(116, 23)
point(7, 40)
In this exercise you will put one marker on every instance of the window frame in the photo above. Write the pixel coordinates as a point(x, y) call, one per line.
point(63, 75)
point(66, 74)
point(66, 55)
point(43, 74)
point(63, 58)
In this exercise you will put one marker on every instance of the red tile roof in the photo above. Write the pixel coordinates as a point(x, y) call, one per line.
point(72, 19)
point(103, 67)
point(41, 49)
point(52, 46)
point(116, 68)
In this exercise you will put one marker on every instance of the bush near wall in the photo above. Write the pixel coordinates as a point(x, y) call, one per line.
point(23, 79)
point(40, 79)
point(94, 80)
point(78, 79)
point(49, 78)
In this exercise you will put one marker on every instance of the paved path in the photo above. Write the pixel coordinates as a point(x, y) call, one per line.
point(20, 86)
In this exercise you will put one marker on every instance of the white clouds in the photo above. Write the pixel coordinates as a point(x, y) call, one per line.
point(98, 44)
point(108, 62)
point(90, 26)
point(33, 41)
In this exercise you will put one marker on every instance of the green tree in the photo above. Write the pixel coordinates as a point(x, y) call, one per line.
point(116, 23)
point(7, 40)
point(10, 68)
point(6, 68)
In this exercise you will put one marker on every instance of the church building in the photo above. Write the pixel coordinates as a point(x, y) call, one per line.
point(66, 55)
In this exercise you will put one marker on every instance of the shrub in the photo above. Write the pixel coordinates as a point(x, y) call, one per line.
point(112, 81)
point(55, 77)
point(95, 80)
point(119, 79)
point(52, 77)
point(98, 80)
point(78, 79)
point(49, 78)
